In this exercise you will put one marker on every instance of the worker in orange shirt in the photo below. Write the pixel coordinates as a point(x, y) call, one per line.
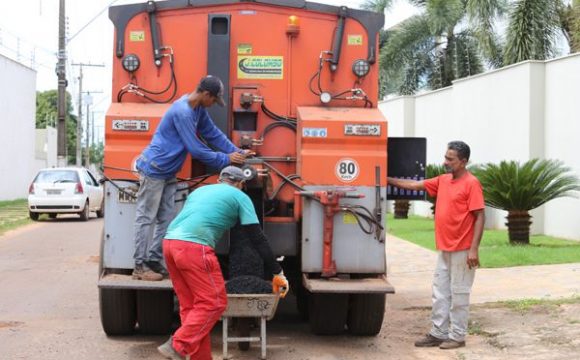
point(459, 221)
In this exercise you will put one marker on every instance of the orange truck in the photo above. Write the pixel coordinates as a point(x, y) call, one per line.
point(302, 92)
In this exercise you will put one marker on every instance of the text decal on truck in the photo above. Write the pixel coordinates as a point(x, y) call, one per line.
point(261, 67)
point(130, 125)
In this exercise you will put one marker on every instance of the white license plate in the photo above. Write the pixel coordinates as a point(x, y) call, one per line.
point(53, 192)
point(127, 198)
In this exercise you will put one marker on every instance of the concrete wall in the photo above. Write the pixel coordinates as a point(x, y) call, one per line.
point(45, 148)
point(17, 125)
point(520, 112)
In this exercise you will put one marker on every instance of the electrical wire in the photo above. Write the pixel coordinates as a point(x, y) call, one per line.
point(133, 88)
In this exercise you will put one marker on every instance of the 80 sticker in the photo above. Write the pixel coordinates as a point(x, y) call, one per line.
point(347, 169)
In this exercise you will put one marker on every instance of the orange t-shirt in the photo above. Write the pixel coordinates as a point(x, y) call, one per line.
point(456, 199)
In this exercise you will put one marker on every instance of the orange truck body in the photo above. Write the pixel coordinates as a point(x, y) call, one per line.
point(301, 83)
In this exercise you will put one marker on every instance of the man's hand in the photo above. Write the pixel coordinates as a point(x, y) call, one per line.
point(473, 258)
point(248, 152)
point(280, 284)
point(237, 158)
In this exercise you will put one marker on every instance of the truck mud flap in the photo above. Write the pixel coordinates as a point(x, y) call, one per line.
point(378, 285)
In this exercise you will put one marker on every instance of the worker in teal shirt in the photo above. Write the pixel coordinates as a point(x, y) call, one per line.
point(180, 132)
point(188, 249)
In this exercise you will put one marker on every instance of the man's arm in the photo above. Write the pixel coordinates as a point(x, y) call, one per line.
point(406, 183)
point(473, 256)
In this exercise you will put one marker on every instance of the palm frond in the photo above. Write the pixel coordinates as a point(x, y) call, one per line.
point(510, 185)
point(482, 15)
point(532, 30)
point(443, 15)
point(377, 5)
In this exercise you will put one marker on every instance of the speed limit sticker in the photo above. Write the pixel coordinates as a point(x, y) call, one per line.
point(347, 169)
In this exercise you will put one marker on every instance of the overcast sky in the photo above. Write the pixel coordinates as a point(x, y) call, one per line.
point(29, 34)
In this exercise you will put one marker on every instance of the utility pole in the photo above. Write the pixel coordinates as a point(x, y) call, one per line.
point(62, 83)
point(80, 116)
point(89, 101)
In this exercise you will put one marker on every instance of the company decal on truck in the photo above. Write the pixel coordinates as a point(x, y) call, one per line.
point(137, 36)
point(261, 67)
point(356, 40)
point(347, 169)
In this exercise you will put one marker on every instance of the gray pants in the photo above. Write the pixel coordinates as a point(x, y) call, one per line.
point(451, 288)
point(155, 208)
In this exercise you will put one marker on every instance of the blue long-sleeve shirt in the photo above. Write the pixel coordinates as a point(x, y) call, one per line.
point(177, 135)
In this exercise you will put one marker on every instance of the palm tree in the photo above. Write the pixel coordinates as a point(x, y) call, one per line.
point(570, 22)
point(450, 39)
point(519, 188)
point(533, 29)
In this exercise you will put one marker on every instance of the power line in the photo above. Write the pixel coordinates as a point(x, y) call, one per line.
point(90, 21)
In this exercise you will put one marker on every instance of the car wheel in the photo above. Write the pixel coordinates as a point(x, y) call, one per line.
point(33, 215)
point(85, 213)
point(52, 216)
point(101, 211)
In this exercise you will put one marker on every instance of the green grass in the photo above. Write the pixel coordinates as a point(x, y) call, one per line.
point(494, 250)
point(524, 305)
point(13, 214)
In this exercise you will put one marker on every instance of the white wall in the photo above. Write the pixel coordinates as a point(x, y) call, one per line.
point(523, 111)
point(17, 124)
point(562, 133)
point(45, 148)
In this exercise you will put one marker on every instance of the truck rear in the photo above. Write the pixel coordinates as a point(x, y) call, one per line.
point(302, 92)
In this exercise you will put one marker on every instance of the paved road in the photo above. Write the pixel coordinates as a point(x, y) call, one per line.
point(49, 306)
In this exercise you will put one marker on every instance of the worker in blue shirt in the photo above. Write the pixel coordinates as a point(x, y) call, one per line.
point(178, 134)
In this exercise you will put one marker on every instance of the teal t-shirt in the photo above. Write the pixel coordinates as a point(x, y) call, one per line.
point(209, 211)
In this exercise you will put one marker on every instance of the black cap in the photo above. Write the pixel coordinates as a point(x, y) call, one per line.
point(233, 173)
point(214, 86)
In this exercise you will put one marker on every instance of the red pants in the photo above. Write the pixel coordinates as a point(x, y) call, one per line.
point(199, 285)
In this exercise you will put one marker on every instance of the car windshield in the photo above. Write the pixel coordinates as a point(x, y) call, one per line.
point(57, 176)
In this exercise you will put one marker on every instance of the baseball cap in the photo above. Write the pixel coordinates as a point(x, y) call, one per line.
point(233, 173)
point(214, 86)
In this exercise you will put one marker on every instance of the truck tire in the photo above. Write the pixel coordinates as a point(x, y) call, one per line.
point(327, 313)
point(155, 311)
point(117, 308)
point(366, 313)
point(302, 301)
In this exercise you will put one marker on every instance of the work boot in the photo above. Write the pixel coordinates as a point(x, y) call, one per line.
point(451, 344)
point(168, 351)
point(156, 266)
point(142, 273)
point(428, 341)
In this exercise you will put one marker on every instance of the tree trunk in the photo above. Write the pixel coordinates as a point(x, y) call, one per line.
point(402, 209)
point(518, 224)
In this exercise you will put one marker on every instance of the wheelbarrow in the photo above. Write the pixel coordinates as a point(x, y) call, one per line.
point(248, 306)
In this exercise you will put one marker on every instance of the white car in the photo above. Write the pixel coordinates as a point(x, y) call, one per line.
point(65, 191)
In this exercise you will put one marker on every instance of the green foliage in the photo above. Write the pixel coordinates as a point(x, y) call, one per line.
point(495, 250)
point(570, 22)
point(532, 30)
point(96, 154)
point(514, 186)
point(441, 44)
point(431, 171)
point(377, 5)
point(46, 114)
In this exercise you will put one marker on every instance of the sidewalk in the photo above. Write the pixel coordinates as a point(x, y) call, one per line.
point(410, 270)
